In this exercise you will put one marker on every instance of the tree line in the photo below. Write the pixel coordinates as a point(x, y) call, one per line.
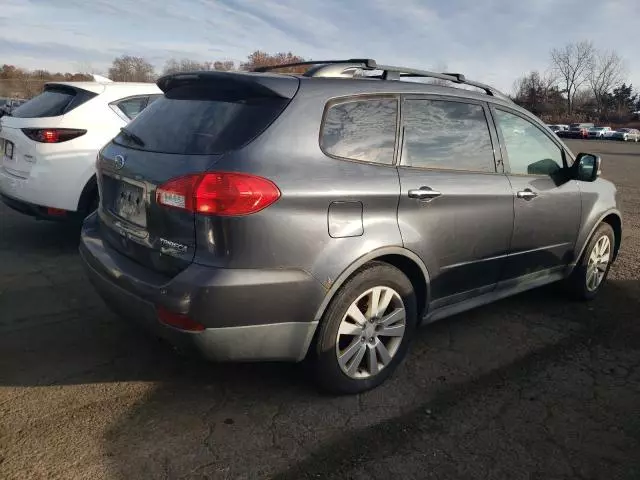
point(580, 83)
point(129, 68)
point(18, 82)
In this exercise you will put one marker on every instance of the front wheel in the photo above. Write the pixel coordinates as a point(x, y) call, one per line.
point(366, 331)
point(591, 272)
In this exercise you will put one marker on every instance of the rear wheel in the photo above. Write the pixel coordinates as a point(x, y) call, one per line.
point(366, 331)
point(591, 272)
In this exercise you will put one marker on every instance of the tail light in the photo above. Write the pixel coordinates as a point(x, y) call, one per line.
point(178, 320)
point(218, 193)
point(53, 135)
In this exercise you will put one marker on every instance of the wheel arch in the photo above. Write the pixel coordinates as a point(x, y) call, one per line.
point(614, 219)
point(90, 189)
point(405, 260)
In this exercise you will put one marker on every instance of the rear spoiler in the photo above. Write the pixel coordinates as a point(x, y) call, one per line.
point(247, 84)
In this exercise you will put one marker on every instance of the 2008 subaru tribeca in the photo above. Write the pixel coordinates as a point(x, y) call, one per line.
point(266, 216)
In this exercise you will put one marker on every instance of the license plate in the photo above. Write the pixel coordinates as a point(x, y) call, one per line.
point(130, 203)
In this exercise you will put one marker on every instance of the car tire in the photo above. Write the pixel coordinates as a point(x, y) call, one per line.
point(358, 347)
point(591, 272)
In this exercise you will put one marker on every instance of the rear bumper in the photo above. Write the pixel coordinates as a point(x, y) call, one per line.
point(27, 208)
point(55, 182)
point(248, 315)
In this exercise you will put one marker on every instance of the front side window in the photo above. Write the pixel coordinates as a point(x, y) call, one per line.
point(443, 134)
point(361, 130)
point(529, 150)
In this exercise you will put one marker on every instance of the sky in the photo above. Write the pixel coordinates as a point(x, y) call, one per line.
point(493, 41)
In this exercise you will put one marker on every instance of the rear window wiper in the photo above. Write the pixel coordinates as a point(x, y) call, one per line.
point(132, 136)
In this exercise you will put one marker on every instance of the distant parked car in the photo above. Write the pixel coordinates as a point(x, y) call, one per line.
point(626, 135)
point(581, 125)
point(599, 132)
point(48, 146)
point(575, 131)
point(9, 104)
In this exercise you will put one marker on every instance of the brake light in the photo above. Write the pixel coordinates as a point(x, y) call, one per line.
point(218, 193)
point(53, 135)
point(178, 320)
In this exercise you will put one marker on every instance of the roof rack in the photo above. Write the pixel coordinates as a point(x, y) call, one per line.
point(346, 68)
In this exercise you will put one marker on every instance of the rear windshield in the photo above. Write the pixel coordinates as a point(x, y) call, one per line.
point(190, 126)
point(54, 101)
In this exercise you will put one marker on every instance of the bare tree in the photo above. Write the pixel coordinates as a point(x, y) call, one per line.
point(573, 63)
point(131, 69)
point(185, 65)
point(225, 65)
point(608, 71)
point(538, 93)
point(264, 59)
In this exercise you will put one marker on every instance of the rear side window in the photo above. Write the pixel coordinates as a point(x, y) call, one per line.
point(52, 102)
point(186, 125)
point(132, 107)
point(444, 134)
point(361, 130)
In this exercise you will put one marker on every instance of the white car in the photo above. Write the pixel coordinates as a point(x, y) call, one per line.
point(48, 146)
point(599, 132)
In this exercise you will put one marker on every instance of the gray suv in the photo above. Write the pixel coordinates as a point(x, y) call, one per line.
point(324, 216)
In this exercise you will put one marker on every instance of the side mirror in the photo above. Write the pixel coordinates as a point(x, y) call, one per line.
point(586, 167)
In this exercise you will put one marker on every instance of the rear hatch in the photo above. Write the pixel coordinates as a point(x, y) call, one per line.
point(43, 112)
point(202, 119)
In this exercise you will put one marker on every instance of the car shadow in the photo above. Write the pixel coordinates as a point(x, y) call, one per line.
point(21, 234)
point(150, 412)
point(252, 421)
point(203, 420)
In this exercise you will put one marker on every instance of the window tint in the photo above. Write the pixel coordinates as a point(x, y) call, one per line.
point(54, 101)
point(49, 103)
point(530, 151)
point(199, 126)
point(153, 98)
point(131, 107)
point(446, 134)
point(361, 130)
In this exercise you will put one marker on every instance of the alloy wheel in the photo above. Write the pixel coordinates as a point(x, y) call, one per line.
point(598, 263)
point(371, 332)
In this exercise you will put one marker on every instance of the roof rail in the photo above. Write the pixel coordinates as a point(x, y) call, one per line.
point(343, 68)
point(359, 61)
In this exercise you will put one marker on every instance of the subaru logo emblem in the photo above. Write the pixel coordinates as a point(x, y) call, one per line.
point(118, 162)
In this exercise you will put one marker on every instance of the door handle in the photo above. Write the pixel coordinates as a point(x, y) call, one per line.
point(423, 193)
point(526, 194)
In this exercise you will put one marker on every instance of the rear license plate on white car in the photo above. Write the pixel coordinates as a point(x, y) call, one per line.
point(130, 203)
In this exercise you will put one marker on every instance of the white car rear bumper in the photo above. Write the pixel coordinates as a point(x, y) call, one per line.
point(54, 181)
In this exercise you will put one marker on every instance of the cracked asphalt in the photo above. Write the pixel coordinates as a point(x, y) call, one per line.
point(532, 387)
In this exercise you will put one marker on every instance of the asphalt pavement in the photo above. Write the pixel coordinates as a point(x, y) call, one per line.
point(533, 387)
